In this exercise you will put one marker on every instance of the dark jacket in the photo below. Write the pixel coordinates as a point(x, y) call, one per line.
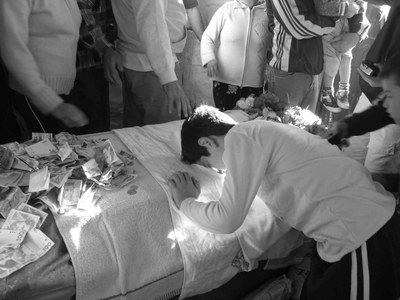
point(297, 28)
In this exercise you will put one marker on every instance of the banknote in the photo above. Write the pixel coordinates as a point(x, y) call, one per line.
point(34, 211)
point(10, 178)
point(6, 158)
point(35, 245)
point(64, 151)
point(39, 180)
point(41, 149)
point(19, 220)
point(11, 198)
point(121, 181)
point(40, 136)
point(11, 238)
point(71, 192)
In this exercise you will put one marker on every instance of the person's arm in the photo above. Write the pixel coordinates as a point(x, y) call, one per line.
point(246, 164)
point(360, 123)
point(154, 37)
point(210, 38)
point(152, 28)
point(299, 21)
point(19, 61)
point(194, 17)
point(368, 120)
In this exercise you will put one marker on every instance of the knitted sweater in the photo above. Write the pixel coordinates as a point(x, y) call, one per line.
point(38, 42)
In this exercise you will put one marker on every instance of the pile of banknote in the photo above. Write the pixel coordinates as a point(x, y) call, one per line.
point(66, 162)
point(21, 240)
point(72, 169)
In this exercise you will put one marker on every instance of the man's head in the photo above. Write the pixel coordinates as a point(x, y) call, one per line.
point(202, 136)
point(390, 78)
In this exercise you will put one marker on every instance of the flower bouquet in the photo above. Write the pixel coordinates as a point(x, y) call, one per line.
point(268, 107)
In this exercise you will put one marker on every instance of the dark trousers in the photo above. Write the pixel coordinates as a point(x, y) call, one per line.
point(373, 268)
point(226, 95)
point(90, 94)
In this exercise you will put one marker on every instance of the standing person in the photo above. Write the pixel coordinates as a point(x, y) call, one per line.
point(234, 51)
point(150, 34)
point(308, 184)
point(334, 61)
point(384, 144)
point(297, 51)
point(38, 44)
point(98, 32)
point(194, 78)
point(383, 114)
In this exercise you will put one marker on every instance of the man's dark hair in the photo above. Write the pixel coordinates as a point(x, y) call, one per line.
point(205, 121)
point(391, 68)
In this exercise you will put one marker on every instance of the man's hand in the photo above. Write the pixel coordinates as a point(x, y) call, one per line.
point(183, 186)
point(371, 80)
point(70, 115)
point(344, 42)
point(112, 61)
point(212, 68)
point(177, 98)
point(337, 134)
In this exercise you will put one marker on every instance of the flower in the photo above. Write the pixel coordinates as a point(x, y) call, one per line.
point(268, 107)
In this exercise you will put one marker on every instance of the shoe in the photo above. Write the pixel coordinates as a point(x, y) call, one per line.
point(329, 102)
point(342, 97)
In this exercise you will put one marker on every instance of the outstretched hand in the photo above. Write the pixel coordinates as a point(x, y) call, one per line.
point(183, 186)
point(70, 115)
point(337, 134)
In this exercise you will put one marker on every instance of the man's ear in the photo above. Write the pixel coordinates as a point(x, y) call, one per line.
point(206, 142)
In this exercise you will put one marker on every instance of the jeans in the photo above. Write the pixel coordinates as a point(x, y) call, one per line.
point(295, 89)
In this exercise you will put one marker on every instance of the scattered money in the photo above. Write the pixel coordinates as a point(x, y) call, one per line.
point(19, 220)
point(10, 178)
point(35, 245)
point(11, 238)
point(6, 158)
point(11, 198)
point(39, 180)
point(34, 211)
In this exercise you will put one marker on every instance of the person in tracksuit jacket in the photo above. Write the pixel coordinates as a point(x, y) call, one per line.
point(297, 51)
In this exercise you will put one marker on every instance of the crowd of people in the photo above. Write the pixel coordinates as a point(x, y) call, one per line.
point(58, 59)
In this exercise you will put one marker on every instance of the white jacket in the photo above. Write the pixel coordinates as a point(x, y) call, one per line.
point(237, 38)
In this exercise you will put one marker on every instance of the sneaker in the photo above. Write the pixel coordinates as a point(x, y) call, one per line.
point(342, 97)
point(329, 102)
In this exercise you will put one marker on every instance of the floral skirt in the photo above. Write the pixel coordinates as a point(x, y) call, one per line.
point(226, 95)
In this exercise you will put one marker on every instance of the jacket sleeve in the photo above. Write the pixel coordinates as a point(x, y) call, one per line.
point(335, 8)
point(153, 32)
point(299, 21)
point(368, 120)
point(210, 37)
